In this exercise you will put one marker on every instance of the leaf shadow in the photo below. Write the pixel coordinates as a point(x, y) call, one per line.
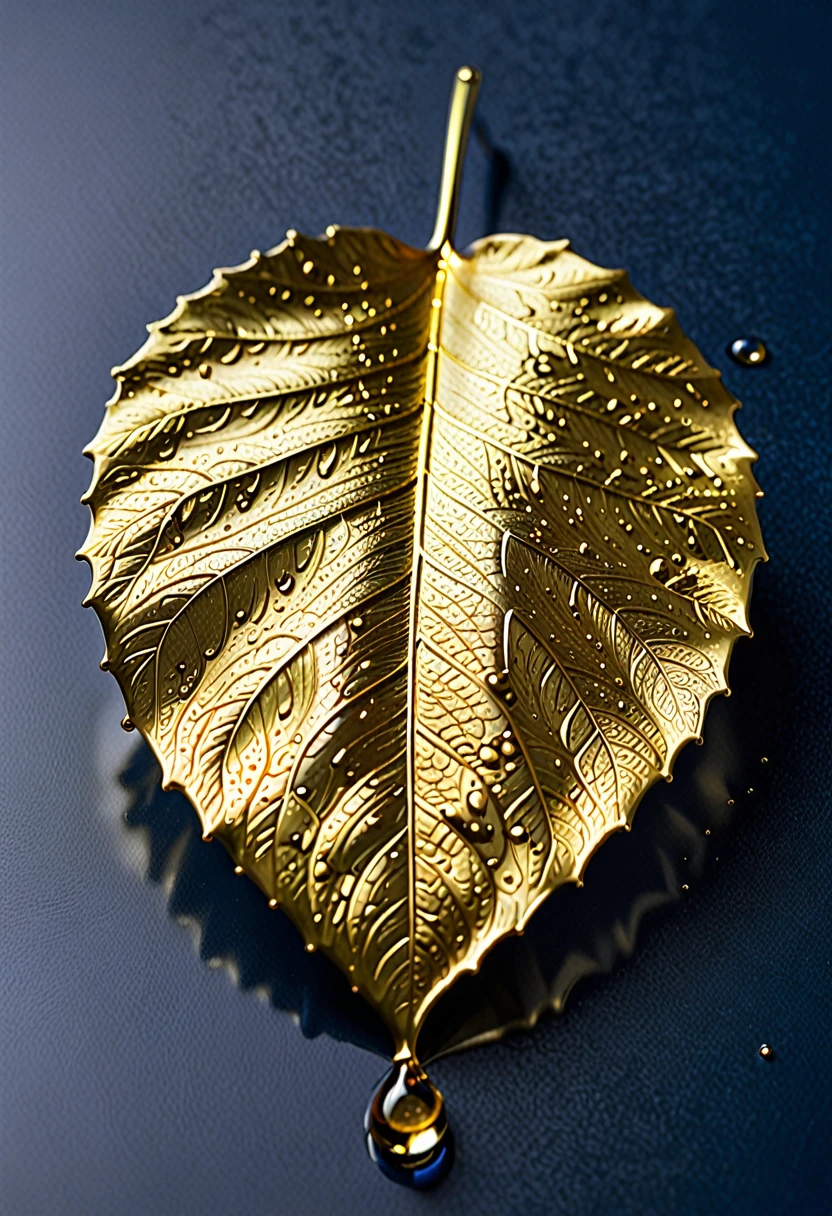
point(235, 927)
point(577, 933)
point(498, 173)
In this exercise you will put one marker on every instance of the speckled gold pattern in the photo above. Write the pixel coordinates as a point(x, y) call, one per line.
point(416, 570)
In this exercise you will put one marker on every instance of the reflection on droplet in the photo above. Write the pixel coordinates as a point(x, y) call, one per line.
point(477, 833)
point(285, 696)
point(750, 352)
point(407, 1128)
point(476, 800)
point(660, 570)
point(303, 552)
point(127, 724)
point(326, 461)
point(766, 1051)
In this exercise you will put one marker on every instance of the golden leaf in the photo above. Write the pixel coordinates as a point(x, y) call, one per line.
point(416, 569)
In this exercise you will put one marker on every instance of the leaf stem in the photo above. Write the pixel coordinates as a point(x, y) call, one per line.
point(460, 113)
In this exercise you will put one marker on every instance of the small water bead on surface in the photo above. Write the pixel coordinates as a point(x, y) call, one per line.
point(477, 800)
point(749, 352)
point(766, 1051)
point(128, 724)
point(406, 1126)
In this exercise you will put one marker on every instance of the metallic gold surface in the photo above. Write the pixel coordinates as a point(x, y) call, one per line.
point(460, 114)
point(416, 570)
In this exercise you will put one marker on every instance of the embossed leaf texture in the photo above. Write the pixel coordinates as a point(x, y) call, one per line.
point(416, 570)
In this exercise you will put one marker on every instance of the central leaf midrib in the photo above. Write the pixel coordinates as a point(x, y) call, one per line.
point(419, 516)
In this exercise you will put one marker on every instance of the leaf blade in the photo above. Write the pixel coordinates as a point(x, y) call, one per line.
point(416, 571)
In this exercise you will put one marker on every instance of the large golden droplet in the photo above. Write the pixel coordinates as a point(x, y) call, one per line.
point(407, 1129)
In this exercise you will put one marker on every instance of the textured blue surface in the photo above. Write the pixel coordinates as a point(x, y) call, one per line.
point(142, 145)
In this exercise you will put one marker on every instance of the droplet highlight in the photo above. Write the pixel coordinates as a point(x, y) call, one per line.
point(748, 352)
point(407, 1130)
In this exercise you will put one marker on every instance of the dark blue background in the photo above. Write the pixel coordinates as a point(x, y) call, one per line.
point(144, 144)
